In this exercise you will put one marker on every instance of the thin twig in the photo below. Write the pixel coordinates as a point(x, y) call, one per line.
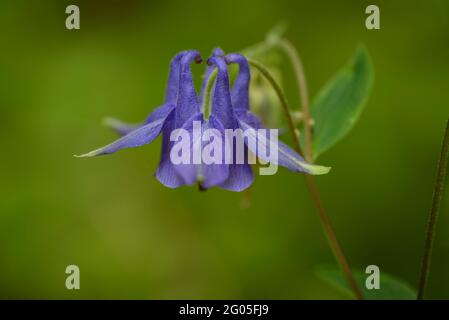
point(433, 216)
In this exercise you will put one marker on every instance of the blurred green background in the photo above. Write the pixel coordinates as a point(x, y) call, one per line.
point(134, 238)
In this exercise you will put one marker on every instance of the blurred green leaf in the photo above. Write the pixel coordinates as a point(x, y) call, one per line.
point(340, 102)
point(391, 288)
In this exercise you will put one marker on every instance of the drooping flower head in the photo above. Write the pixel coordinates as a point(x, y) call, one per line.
point(183, 114)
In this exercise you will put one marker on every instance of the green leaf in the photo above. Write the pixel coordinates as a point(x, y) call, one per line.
point(391, 288)
point(339, 104)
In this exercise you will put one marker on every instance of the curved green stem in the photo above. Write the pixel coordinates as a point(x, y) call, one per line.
point(280, 93)
point(295, 59)
point(311, 184)
point(433, 216)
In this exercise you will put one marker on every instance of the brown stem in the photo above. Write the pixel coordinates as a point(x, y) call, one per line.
point(433, 216)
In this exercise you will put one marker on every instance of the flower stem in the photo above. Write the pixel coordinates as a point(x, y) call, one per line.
point(302, 89)
point(295, 59)
point(310, 181)
point(280, 93)
point(433, 216)
point(332, 237)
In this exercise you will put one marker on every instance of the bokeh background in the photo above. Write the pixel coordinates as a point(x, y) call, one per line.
point(134, 238)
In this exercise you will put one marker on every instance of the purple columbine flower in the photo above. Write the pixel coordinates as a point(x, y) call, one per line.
point(181, 110)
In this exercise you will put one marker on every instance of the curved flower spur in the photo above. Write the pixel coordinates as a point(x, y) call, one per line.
point(183, 111)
